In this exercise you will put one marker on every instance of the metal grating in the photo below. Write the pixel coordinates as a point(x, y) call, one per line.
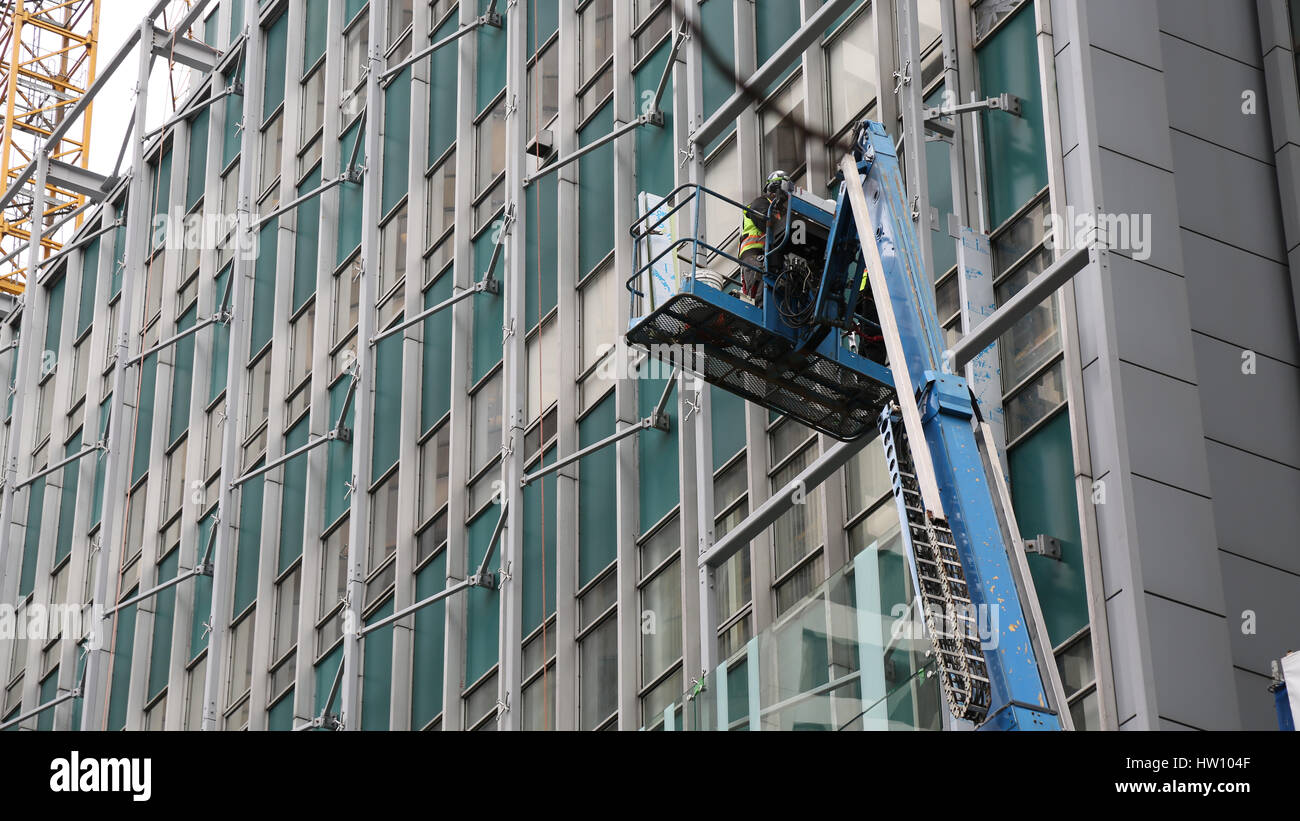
point(746, 359)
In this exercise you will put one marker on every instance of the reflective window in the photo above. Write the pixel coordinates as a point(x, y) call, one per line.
point(852, 82)
point(485, 441)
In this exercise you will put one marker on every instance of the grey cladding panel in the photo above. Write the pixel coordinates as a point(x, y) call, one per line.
point(1165, 437)
point(1256, 506)
point(1273, 596)
point(1240, 297)
point(1191, 665)
point(1229, 27)
point(1152, 325)
point(1131, 116)
point(1205, 98)
point(1177, 545)
point(1253, 411)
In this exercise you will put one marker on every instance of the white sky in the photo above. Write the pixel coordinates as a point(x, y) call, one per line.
point(113, 105)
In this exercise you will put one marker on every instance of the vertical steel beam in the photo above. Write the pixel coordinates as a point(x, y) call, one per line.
point(223, 554)
point(514, 376)
point(27, 359)
point(117, 459)
point(363, 430)
point(568, 397)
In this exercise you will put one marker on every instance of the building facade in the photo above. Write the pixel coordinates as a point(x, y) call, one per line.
point(336, 361)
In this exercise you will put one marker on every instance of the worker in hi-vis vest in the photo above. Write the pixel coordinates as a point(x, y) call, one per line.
point(753, 233)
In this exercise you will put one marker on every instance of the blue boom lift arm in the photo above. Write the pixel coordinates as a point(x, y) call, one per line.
point(847, 340)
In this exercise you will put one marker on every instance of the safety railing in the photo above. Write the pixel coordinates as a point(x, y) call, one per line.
point(652, 223)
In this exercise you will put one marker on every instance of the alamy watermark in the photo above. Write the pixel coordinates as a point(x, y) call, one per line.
point(1130, 233)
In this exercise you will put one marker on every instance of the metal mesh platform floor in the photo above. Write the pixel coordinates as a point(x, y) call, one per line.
point(735, 354)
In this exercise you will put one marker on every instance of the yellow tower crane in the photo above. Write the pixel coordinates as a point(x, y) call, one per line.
point(47, 62)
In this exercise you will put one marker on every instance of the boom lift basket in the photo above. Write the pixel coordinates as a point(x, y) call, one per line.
point(686, 311)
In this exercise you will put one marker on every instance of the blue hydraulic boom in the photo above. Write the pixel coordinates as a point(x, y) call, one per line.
point(847, 341)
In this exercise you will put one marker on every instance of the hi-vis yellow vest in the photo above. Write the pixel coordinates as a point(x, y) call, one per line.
point(751, 236)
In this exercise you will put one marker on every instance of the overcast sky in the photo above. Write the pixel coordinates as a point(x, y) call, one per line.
point(114, 104)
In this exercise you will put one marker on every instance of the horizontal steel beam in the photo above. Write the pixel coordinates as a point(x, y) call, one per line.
point(184, 50)
point(770, 71)
point(81, 180)
point(1026, 299)
point(782, 500)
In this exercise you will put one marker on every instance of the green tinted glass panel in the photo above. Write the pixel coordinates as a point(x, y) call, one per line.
point(160, 653)
point(236, 17)
point(719, 81)
point(49, 690)
point(350, 195)
point(442, 94)
point(250, 540)
point(595, 193)
point(32, 536)
point(435, 377)
point(1042, 490)
point(89, 279)
point(654, 146)
point(293, 499)
point(277, 45)
point(543, 21)
point(220, 344)
point(539, 548)
point(541, 248)
point(488, 310)
point(426, 661)
point(378, 672)
point(306, 242)
point(314, 32)
point(97, 500)
point(397, 138)
point(280, 717)
point(119, 254)
point(68, 499)
point(1015, 151)
point(728, 426)
point(351, 8)
point(491, 63)
point(196, 171)
point(263, 287)
point(388, 405)
point(773, 25)
point(182, 377)
point(121, 679)
point(597, 535)
point(232, 130)
point(54, 320)
point(202, 591)
point(656, 457)
point(338, 470)
point(326, 669)
point(482, 609)
point(144, 417)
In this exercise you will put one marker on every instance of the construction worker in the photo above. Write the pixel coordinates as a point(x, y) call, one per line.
point(753, 232)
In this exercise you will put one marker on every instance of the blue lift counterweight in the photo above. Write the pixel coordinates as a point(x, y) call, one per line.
point(847, 341)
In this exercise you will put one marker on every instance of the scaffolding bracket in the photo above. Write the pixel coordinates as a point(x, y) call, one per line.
point(1009, 103)
point(491, 18)
point(156, 589)
point(350, 175)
